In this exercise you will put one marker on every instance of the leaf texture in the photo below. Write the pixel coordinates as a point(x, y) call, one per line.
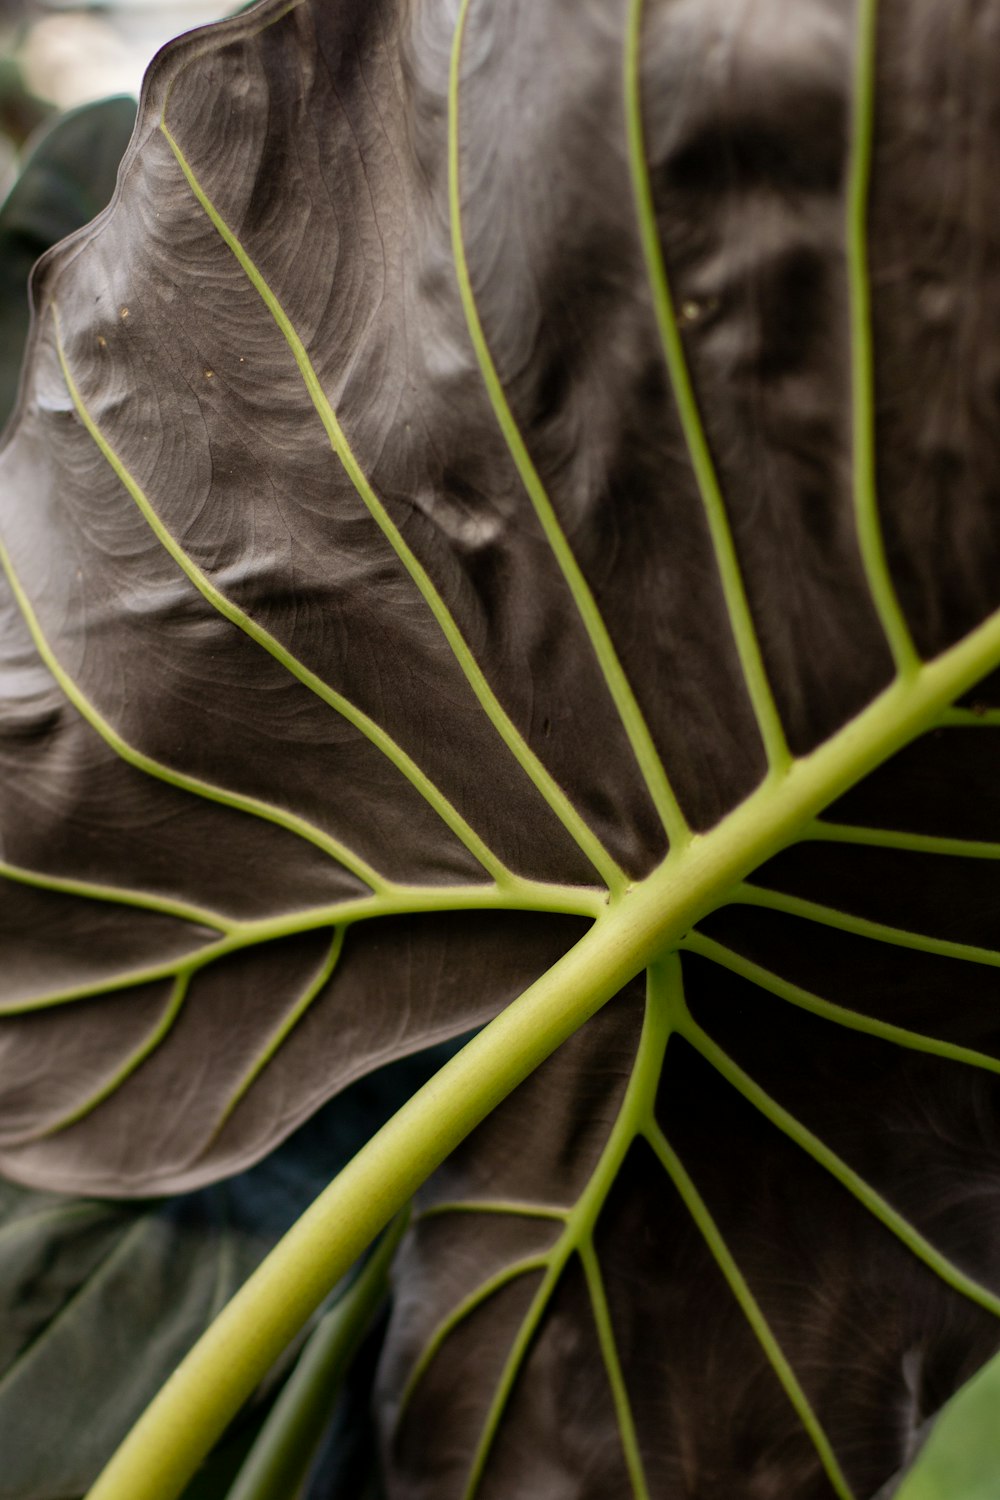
point(494, 465)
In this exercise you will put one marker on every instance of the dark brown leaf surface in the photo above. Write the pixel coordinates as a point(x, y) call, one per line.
point(477, 448)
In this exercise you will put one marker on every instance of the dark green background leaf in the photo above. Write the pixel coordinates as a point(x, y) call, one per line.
point(99, 1301)
point(67, 177)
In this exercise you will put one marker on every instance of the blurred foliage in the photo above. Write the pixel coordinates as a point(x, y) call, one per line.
point(347, 1466)
point(99, 1300)
point(66, 176)
point(21, 113)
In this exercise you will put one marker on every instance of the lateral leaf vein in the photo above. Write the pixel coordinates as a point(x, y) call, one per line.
point(511, 736)
point(620, 689)
point(749, 1306)
point(727, 562)
point(869, 529)
point(341, 705)
point(881, 932)
point(839, 1169)
point(827, 1010)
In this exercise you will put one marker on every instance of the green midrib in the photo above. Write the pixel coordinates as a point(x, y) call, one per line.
point(710, 871)
point(635, 1119)
point(630, 934)
point(665, 1013)
point(900, 713)
point(658, 912)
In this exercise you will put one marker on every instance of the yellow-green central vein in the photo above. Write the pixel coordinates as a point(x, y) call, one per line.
point(526, 758)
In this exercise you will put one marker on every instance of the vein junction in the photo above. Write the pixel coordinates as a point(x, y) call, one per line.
point(667, 1015)
point(700, 874)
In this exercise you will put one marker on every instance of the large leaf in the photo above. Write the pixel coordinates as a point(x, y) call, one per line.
point(481, 449)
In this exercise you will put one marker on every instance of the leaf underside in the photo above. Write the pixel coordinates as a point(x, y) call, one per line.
point(476, 453)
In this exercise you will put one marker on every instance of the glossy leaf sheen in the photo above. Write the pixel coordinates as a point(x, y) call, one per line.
point(479, 448)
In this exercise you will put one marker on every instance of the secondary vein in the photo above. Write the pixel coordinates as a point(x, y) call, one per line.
point(821, 831)
point(826, 1010)
point(284, 1029)
point(145, 1049)
point(727, 562)
point(855, 1184)
point(511, 736)
point(267, 811)
point(117, 895)
point(880, 932)
point(613, 1369)
point(630, 714)
point(361, 721)
point(749, 1306)
point(520, 895)
point(869, 528)
point(468, 1305)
